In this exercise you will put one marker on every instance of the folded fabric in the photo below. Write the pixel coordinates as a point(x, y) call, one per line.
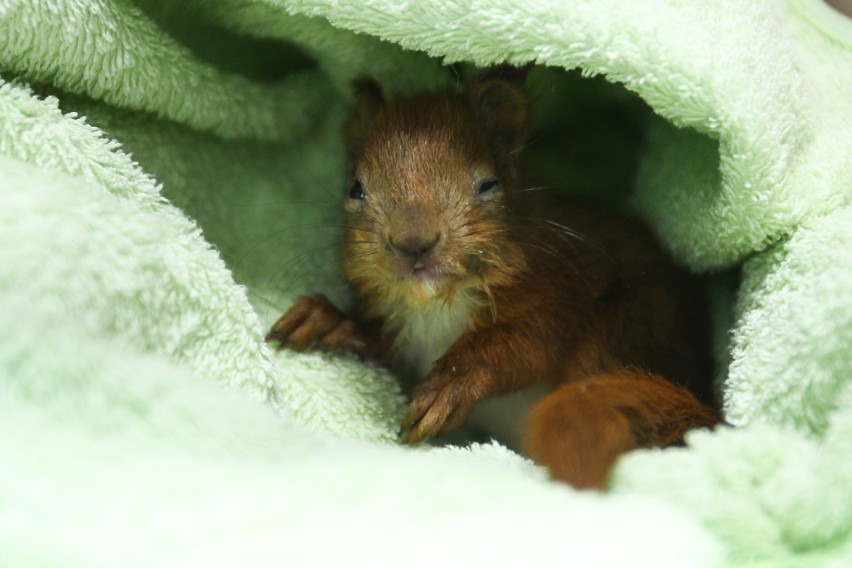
point(169, 184)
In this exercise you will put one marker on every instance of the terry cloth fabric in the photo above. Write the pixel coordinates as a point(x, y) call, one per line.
point(169, 178)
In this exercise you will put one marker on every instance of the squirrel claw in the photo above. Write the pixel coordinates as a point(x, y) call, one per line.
point(439, 405)
point(314, 323)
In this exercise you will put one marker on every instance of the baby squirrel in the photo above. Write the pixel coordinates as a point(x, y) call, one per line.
point(485, 288)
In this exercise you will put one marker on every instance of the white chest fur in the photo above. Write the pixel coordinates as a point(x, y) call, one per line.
point(425, 334)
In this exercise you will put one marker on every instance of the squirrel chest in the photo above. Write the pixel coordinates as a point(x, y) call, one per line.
point(423, 335)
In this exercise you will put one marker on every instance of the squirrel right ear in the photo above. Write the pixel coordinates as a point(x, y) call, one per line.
point(369, 101)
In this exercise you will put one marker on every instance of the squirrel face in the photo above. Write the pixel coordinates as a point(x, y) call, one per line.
point(428, 203)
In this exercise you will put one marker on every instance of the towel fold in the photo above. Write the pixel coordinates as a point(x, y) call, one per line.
point(170, 182)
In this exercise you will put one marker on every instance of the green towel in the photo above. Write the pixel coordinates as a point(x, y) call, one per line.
point(171, 179)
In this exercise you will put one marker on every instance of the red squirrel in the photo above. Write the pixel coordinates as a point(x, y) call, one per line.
point(486, 288)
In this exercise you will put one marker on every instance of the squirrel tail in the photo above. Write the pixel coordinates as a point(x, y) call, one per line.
point(580, 429)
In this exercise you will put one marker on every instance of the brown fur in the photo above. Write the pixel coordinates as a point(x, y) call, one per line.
point(567, 293)
point(581, 428)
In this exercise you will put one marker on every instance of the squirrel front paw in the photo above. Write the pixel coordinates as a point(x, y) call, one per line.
point(441, 403)
point(314, 323)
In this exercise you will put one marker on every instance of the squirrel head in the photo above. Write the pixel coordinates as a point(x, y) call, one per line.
point(428, 200)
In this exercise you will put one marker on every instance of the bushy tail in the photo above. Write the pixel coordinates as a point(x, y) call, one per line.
point(579, 430)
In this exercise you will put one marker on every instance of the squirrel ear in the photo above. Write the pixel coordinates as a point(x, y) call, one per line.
point(500, 101)
point(369, 101)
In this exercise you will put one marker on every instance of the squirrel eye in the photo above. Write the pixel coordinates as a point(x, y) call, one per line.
point(356, 191)
point(487, 186)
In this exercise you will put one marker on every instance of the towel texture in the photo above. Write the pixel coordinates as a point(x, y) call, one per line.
point(169, 184)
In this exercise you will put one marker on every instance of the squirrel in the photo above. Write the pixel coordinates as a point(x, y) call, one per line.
point(484, 288)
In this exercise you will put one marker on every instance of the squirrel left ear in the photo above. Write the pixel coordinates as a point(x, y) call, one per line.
point(499, 99)
point(369, 100)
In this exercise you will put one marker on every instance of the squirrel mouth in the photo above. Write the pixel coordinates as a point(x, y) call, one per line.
point(424, 273)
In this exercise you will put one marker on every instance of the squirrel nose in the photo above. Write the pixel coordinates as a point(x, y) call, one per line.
point(414, 246)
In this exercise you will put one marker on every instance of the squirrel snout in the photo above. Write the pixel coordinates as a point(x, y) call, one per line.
point(414, 246)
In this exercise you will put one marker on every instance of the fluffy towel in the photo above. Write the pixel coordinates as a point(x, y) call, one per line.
point(169, 184)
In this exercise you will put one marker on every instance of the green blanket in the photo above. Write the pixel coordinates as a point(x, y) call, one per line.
point(170, 181)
